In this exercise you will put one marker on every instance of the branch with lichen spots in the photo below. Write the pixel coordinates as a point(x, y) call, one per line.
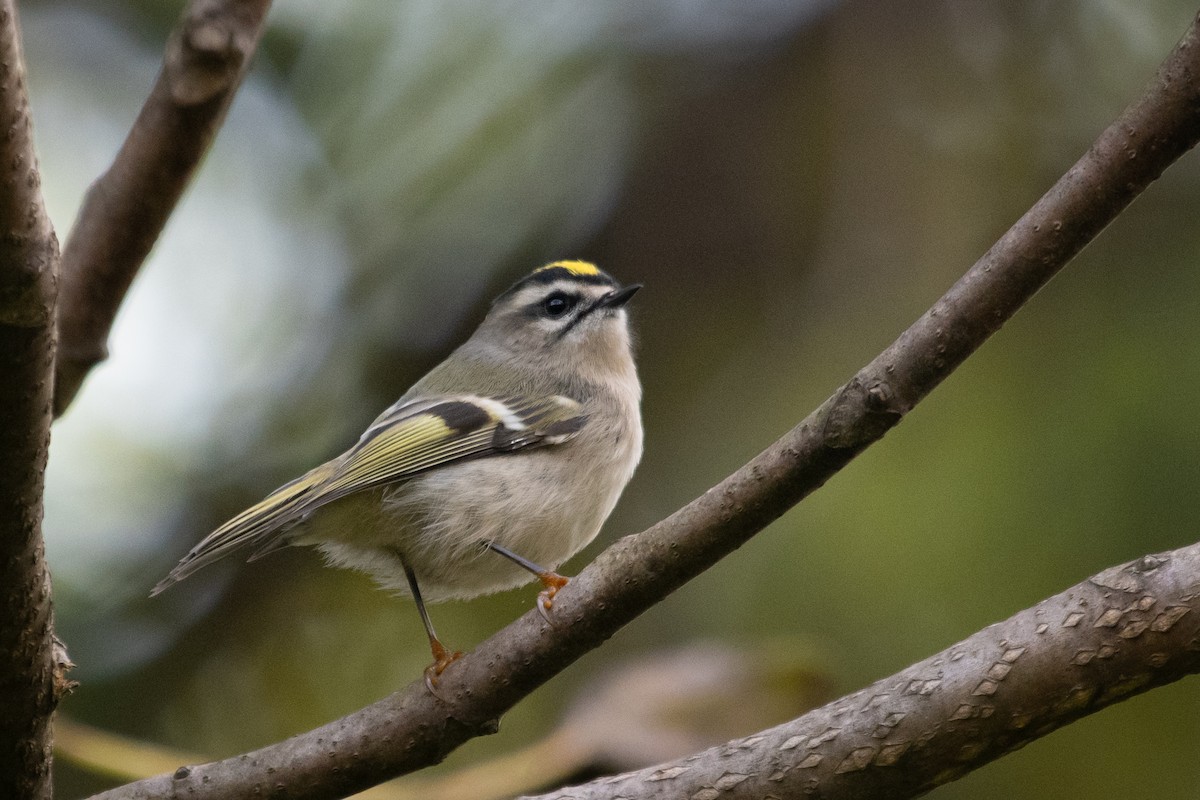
point(32, 668)
point(1124, 631)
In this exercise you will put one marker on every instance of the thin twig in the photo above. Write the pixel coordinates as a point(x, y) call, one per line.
point(126, 208)
point(31, 666)
point(412, 729)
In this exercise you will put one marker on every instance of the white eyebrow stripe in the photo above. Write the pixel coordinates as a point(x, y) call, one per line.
point(532, 294)
point(537, 292)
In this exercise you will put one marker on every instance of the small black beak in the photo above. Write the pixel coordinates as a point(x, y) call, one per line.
point(620, 297)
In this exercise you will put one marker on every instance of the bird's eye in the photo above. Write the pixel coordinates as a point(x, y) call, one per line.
point(558, 304)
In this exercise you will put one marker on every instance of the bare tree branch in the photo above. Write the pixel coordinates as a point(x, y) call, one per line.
point(31, 667)
point(126, 208)
point(411, 728)
point(1124, 631)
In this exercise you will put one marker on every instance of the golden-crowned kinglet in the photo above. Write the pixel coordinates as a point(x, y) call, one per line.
point(498, 465)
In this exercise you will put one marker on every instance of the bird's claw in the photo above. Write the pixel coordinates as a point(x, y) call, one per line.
point(545, 602)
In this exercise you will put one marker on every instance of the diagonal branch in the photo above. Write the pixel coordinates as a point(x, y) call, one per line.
point(411, 728)
point(1128, 629)
point(31, 674)
point(126, 208)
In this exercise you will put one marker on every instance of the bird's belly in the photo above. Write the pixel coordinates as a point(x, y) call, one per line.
point(439, 523)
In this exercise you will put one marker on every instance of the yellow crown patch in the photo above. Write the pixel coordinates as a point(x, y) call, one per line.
point(573, 267)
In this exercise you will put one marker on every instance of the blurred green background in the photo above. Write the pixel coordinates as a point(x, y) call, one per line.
point(794, 183)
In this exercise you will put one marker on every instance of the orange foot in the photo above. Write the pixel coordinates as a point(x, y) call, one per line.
point(553, 582)
point(442, 658)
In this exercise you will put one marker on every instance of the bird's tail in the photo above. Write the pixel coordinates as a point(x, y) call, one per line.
point(262, 526)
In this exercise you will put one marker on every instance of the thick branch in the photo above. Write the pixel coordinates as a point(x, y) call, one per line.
point(126, 208)
point(412, 729)
point(30, 682)
point(1124, 631)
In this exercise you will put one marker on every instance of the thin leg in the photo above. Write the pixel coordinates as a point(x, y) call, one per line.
point(549, 578)
point(442, 656)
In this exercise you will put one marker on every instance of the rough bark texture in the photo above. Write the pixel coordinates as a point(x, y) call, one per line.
point(126, 208)
point(412, 729)
point(1124, 631)
point(31, 680)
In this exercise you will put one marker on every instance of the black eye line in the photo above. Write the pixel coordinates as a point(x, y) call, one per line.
point(583, 314)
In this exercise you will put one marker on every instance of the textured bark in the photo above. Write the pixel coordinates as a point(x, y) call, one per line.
point(126, 208)
point(412, 728)
point(31, 679)
point(1122, 632)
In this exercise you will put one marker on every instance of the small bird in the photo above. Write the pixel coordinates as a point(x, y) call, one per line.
point(493, 469)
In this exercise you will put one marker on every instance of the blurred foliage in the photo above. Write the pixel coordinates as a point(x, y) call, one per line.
point(794, 183)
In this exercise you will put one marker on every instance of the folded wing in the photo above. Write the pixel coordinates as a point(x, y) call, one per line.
point(406, 440)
